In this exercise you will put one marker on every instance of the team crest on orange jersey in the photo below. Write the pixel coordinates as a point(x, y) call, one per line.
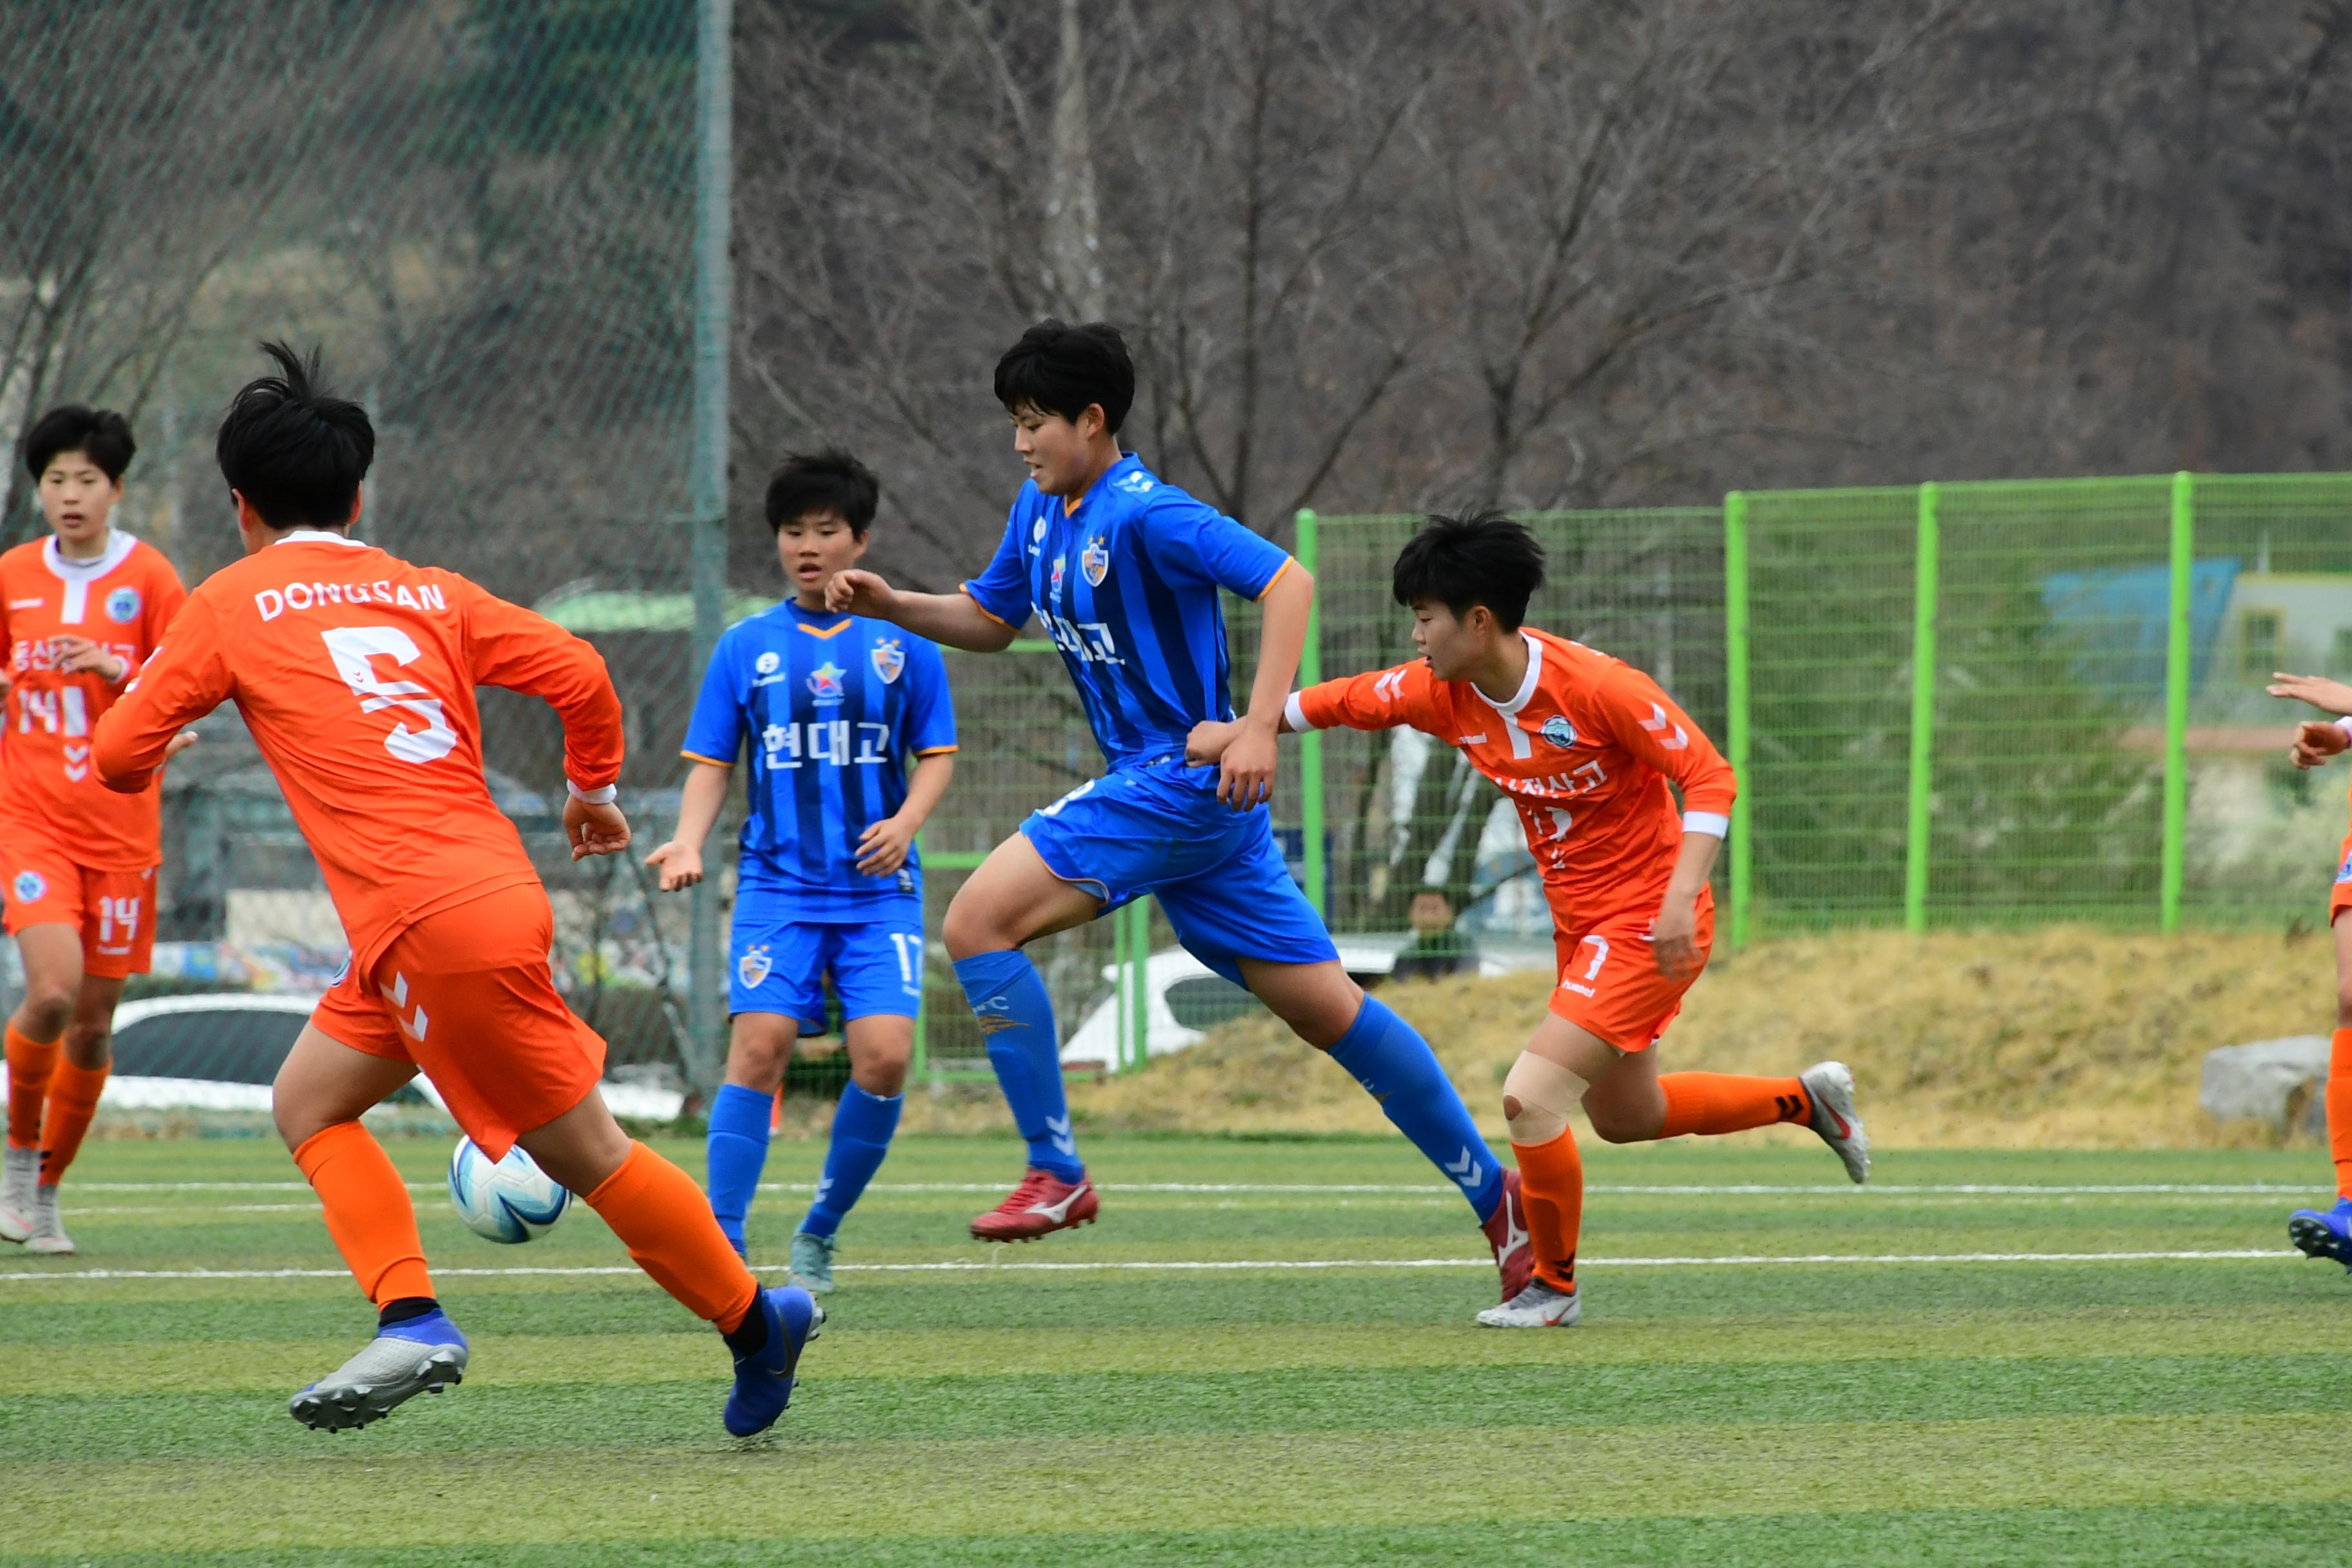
point(30, 885)
point(753, 967)
point(889, 659)
point(1096, 561)
point(1558, 732)
point(123, 605)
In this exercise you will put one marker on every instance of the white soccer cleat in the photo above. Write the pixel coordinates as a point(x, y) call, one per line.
point(1829, 1087)
point(423, 1355)
point(49, 1238)
point(20, 1175)
point(1537, 1307)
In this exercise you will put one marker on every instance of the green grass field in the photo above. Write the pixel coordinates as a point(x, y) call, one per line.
point(1170, 1387)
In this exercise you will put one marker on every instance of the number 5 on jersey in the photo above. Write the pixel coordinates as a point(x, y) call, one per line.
point(353, 648)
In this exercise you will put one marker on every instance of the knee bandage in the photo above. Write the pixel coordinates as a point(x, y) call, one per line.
point(1536, 1097)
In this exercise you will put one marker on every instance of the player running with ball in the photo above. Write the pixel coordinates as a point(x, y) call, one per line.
point(1585, 746)
point(79, 611)
point(356, 672)
point(1124, 570)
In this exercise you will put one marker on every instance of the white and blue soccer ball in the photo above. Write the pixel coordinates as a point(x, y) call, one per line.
point(504, 1200)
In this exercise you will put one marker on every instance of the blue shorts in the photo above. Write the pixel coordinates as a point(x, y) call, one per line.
point(776, 963)
point(1216, 871)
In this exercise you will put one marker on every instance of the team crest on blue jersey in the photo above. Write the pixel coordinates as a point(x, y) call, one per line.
point(766, 663)
point(889, 659)
point(1558, 732)
point(1096, 561)
point(825, 682)
point(753, 967)
point(30, 885)
point(123, 605)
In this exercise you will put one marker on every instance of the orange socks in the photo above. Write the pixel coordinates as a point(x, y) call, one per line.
point(73, 1100)
point(368, 1211)
point(2340, 1108)
point(666, 1222)
point(1706, 1102)
point(30, 1064)
point(1551, 1186)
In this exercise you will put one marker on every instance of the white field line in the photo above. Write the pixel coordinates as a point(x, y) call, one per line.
point(1208, 1266)
point(1738, 1189)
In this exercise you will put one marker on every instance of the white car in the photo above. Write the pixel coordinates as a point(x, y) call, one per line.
point(220, 1050)
point(1186, 998)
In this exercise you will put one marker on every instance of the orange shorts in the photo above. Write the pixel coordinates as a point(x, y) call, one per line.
point(2338, 901)
point(114, 911)
point(466, 995)
point(1609, 984)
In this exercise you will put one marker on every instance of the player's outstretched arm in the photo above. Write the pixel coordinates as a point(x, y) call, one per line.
point(184, 679)
point(2315, 741)
point(1246, 764)
point(955, 619)
point(679, 860)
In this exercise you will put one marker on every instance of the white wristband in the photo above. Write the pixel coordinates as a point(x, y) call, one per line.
point(602, 796)
point(2345, 724)
point(1294, 713)
point(1710, 821)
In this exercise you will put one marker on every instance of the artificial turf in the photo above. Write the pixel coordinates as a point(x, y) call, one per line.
point(2036, 1408)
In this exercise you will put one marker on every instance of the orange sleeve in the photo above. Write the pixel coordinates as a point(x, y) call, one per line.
point(1376, 700)
point(520, 650)
point(1650, 724)
point(183, 680)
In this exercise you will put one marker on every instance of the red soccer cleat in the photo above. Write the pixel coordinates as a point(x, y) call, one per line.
point(1506, 1233)
point(1042, 1204)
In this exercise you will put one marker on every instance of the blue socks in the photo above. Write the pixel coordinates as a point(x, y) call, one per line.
point(1026, 1051)
point(1397, 1068)
point(862, 1126)
point(738, 1149)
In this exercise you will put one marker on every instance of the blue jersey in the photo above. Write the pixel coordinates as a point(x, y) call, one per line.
point(833, 706)
point(1127, 587)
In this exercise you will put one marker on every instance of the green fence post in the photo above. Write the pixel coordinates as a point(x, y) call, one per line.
point(2176, 703)
point(1923, 712)
point(1135, 986)
point(1735, 669)
point(1310, 744)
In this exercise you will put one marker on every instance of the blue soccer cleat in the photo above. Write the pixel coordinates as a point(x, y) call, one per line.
point(764, 1380)
point(423, 1355)
point(2327, 1233)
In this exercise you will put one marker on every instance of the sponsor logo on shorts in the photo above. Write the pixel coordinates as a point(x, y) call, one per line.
point(889, 658)
point(753, 967)
point(1558, 732)
point(1572, 985)
point(342, 973)
point(30, 887)
point(123, 605)
point(1094, 562)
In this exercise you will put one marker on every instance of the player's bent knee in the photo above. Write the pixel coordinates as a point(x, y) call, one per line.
point(1536, 1095)
point(88, 1046)
point(2343, 1007)
point(47, 1011)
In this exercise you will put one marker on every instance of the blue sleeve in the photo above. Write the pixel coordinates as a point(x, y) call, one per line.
point(715, 733)
point(930, 719)
point(1190, 542)
point(1003, 589)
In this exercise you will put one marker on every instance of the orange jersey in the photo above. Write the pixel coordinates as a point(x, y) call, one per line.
point(1584, 749)
point(355, 671)
point(122, 601)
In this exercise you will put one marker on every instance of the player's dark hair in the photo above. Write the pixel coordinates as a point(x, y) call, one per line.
point(829, 480)
point(98, 434)
point(1487, 558)
point(292, 447)
point(1057, 368)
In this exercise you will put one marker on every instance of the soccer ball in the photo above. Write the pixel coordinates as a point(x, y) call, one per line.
point(504, 1200)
